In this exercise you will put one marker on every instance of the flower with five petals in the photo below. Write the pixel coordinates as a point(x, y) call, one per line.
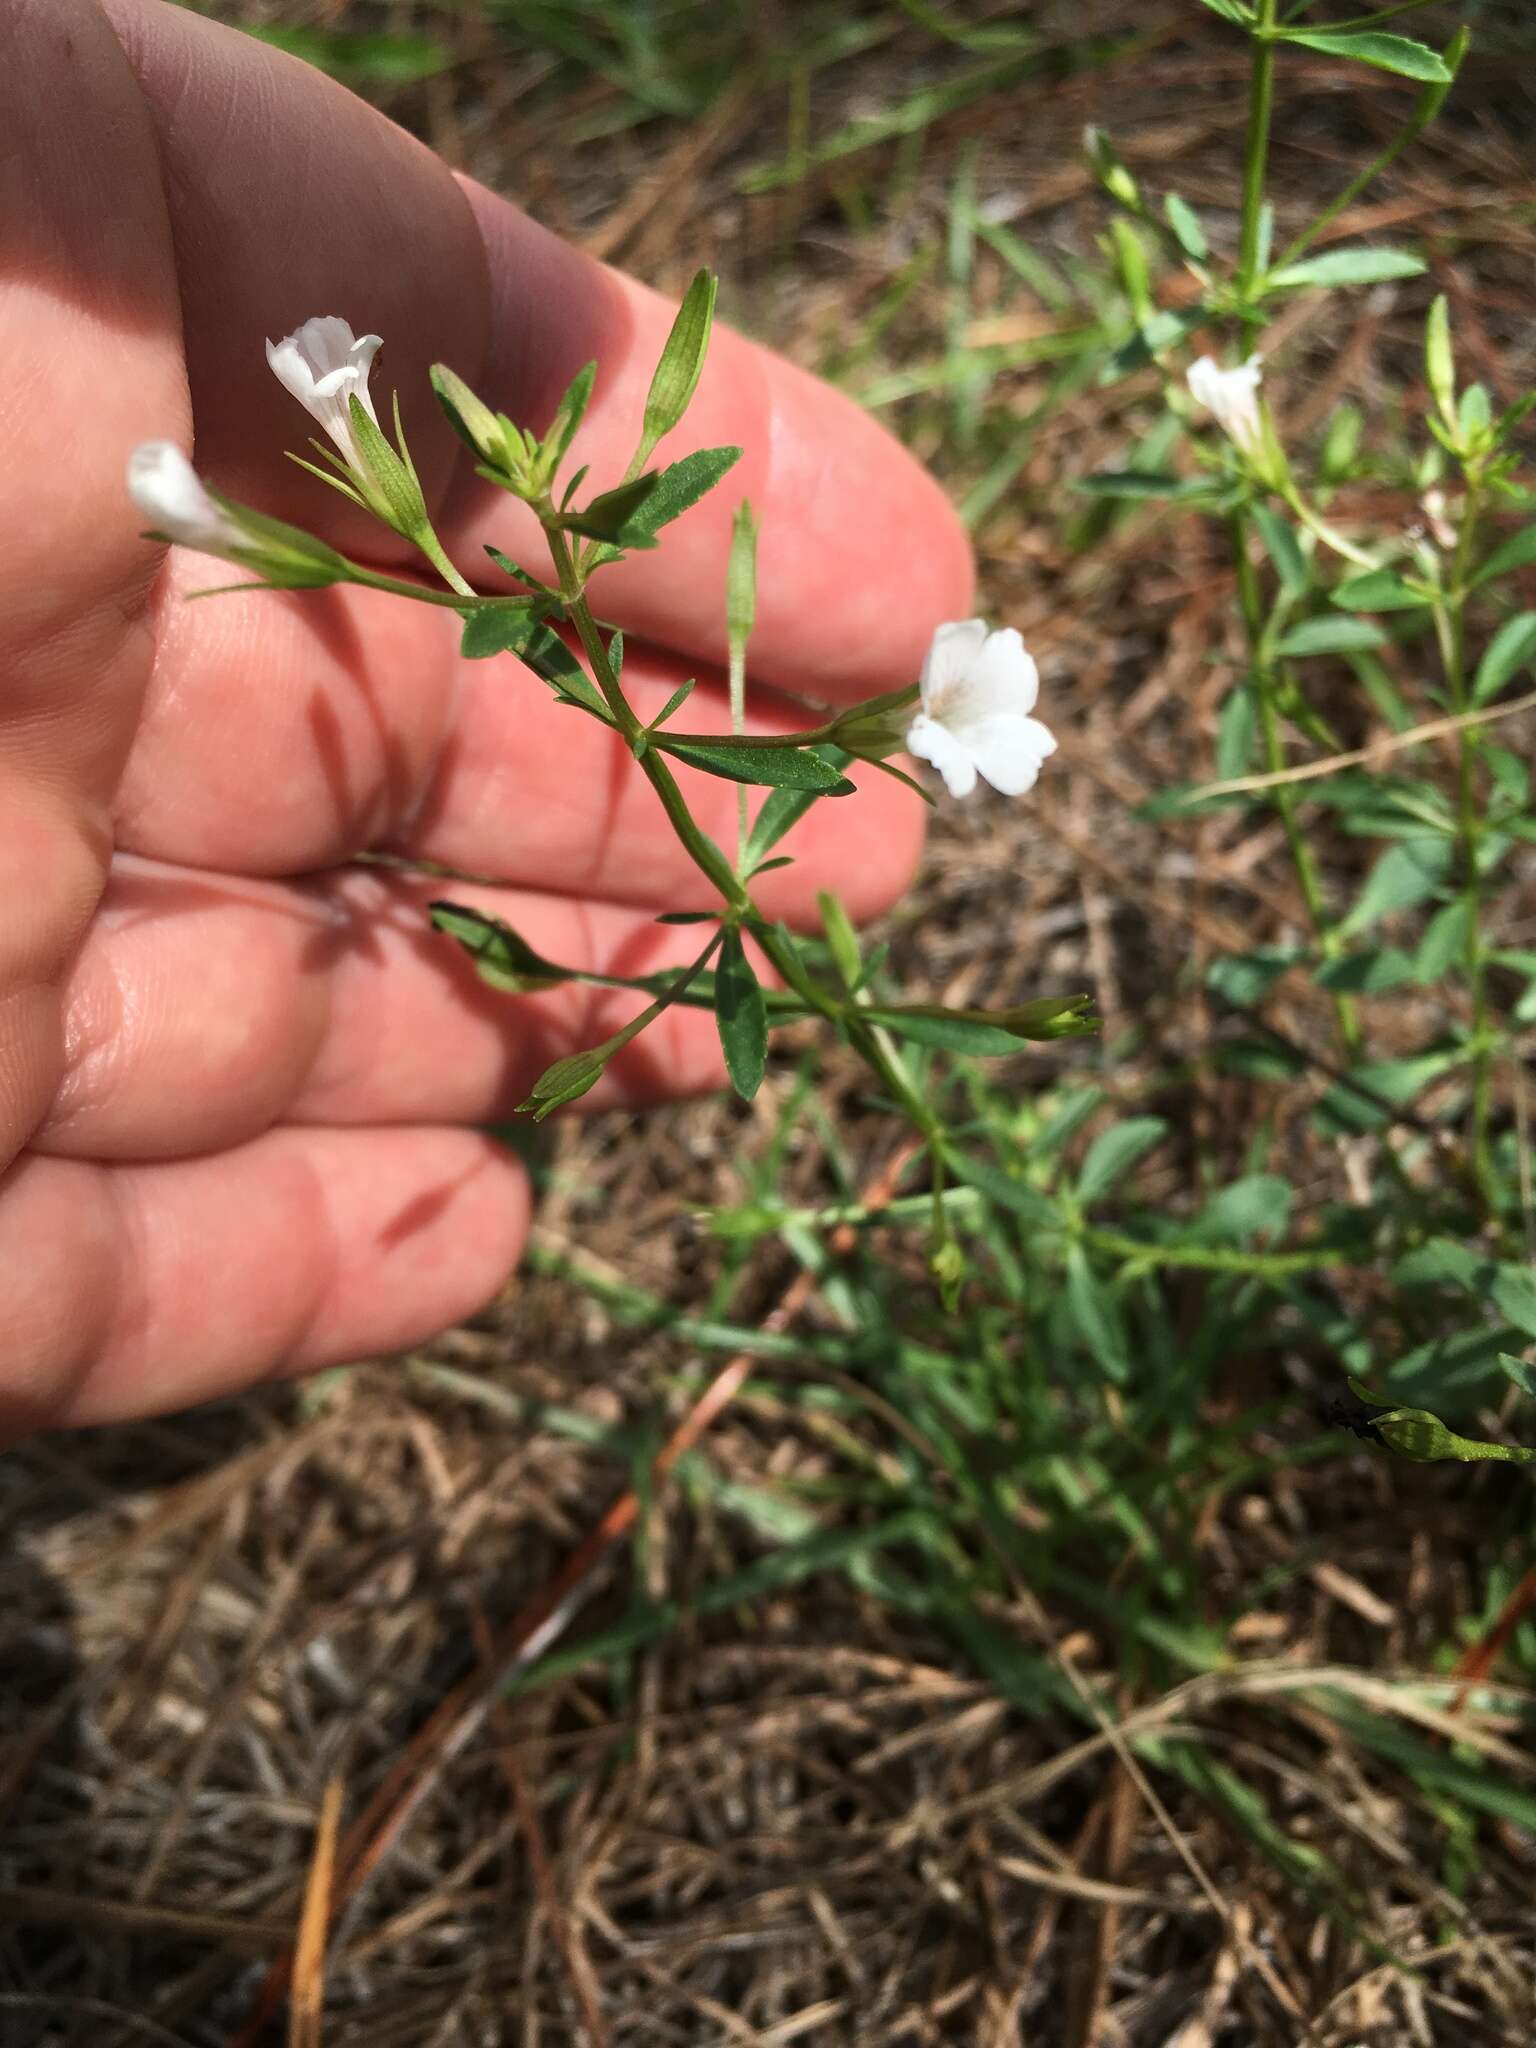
point(978, 689)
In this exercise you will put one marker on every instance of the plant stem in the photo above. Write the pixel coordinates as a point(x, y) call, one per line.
point(1451, 630)
point(703, 852)
point(1262, 676)
point(1261, 99)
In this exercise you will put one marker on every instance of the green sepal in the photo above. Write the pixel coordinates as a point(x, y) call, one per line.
point(876, 727)
point(985, 1032)
point(395, 494)
point(681, 363)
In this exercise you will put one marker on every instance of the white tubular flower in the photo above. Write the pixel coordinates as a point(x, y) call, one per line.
point(170, 494)
point(978, 689)
point(324, 365)
point(1233, 397)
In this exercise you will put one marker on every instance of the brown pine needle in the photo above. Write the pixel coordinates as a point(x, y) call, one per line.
point(314, 1925)
point(461, 1713)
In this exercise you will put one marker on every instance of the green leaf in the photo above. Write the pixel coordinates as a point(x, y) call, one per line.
point(781, 812)
point(1330, 636)
point(1151, 340)
point(1393, 1081)
point(1246, 978)
point(1518, 552)
point(742, 1017)
point(1230, 10)
point(1187, 230)
point(1003, 1189)
point(774, 767)
point(1443, 1262)
point(842, 939)
point(682, 360)
point(1115, 1151)
point(632, 515)
point(1520, 1370)
point(1345, 266)
point(501, 956)
point(1474, 415)
point(1141, 483)
point(392, 58)
point(1257, 1205)
point(1439, 362)
point(496, 629)
point(1444, 942)
point(1514, 1296)
point(569, 414)
point(1369, 46)
point(541, 649)
point(1380, 590)
point(1283, 548)
point(1511, 649)
point(1367, 974)
point(1404, 875)
point(1096, 1314)
point(1236, 730)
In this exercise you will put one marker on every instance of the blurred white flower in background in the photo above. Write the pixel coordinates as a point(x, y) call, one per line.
point(1232, 396)
point(978, 689)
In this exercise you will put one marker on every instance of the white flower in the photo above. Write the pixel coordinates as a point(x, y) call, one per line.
point(978, 689)
point(1233, 396)
point(168, 491)
point(323, 364)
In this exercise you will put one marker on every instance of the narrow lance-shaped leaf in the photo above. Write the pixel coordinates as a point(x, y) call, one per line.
point(742, 1017)
point(842, 939)
point(502, 956)
point(1511, 649)
point(771, 767)
point(1439, 363)
point(1346, 266)
point(1409, 59)
point(569, 414)
point(632, 514)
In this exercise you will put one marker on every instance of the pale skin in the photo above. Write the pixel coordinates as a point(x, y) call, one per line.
point(238, 1074)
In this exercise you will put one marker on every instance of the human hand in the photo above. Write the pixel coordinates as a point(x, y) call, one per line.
point(230, 1062)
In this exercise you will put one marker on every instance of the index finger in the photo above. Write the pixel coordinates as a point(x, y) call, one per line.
point(289, 197)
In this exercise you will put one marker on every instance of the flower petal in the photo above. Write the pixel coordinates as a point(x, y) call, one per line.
point(1004, 673)
point(167, 489)
point(954, 647)
point(932, 742)
point(1008, 751)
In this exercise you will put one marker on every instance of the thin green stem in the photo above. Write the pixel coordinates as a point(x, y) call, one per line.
point(1451, 630)
point(1264, 681)
point(1261, 100)
point(703, 852)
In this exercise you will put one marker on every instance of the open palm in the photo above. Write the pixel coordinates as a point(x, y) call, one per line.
point(232, 1060)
